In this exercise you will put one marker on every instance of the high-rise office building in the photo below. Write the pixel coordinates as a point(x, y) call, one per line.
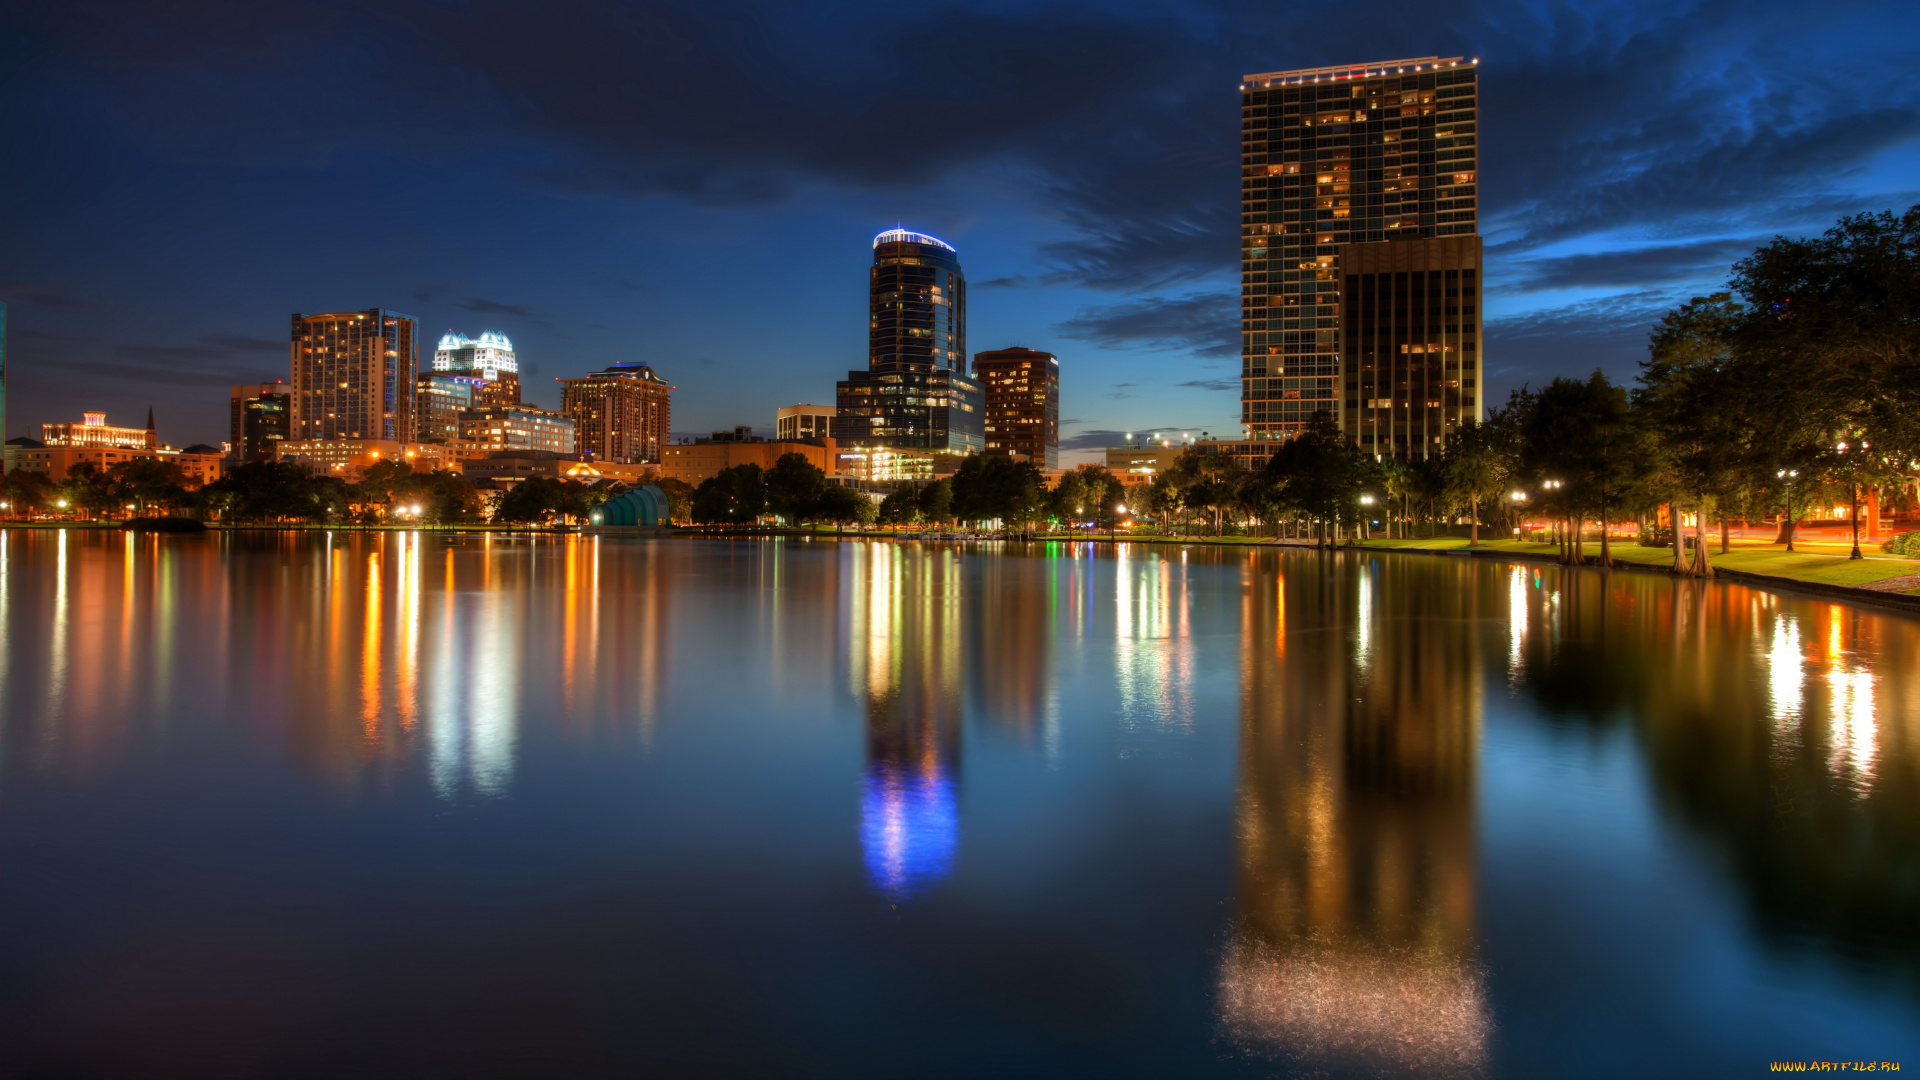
point(1359, 255)
point(1023, 404)
point(915, 393)
point(438, 401)
point(620, 414)
point(258, 417)
point(489, 357)
point(353, 375)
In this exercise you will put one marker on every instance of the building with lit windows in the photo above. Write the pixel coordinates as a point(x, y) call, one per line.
point(353, 375)
point(803, 422)
point(488, 358)
point(94, 431)
point(516, 427)
point(1022, 393)
point(915, 393)
point(620, 414)
point(258, 418)
point(438, 401)
point(1360, 254)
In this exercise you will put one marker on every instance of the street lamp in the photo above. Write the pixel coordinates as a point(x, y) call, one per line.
point(1366, 526)
point(1853, 496)
point(1787, 475)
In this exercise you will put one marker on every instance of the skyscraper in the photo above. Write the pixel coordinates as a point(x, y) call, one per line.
point(1360, 258)
point(620, 414)
point(915, 393)
point(489, 357)
point(258, 417)
point(353, 375)
point(1023, 404)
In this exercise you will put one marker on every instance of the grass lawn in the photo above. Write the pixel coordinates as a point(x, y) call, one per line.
point(1766, 559)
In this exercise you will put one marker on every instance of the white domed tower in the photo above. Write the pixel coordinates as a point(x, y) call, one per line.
point(489, 357)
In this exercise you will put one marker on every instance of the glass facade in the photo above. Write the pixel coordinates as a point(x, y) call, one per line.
point(353, 375)
point(258, 419)
point(1373, 164)
point(915, 393)
point(438, 401)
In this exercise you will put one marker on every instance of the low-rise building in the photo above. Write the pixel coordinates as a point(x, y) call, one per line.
point(94, 431)
point(199, 464)
point(804, 422)
point(1142, 464)
point(694, 462)
point(517, 427)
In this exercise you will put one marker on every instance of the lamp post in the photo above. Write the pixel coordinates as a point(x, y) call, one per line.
point(1518, 498)
point(1366, 531)
point(1113, 530)
point(1787, 475)
point(1853, 495)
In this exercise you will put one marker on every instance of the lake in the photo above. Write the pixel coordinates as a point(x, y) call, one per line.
point(388, 804)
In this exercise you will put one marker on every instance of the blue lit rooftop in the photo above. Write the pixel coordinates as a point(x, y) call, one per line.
point(904, 236)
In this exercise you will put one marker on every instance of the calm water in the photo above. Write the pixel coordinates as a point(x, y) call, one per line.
point(287, 805)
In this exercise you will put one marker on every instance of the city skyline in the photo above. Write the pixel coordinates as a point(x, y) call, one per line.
point(1687, 135)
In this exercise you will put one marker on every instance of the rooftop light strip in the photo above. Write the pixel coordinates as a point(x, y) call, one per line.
point(903, 236)
point(1372, 70)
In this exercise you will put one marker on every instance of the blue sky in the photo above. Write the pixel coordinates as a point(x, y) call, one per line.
point(695, 184)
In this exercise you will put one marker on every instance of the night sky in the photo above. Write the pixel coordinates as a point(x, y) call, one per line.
point(696, 185)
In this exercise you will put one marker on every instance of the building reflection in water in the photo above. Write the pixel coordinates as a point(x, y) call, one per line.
point(1153, 648)
point(1354, 943)
point(904, 646)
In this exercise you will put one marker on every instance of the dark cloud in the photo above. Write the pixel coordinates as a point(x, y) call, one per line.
point(1205, 324)
point(1116, 396)
point(1634, 268)
point(1213, 384)
point(29, 292)
point(493, 307)
point(1121, 385)
point(1631, 149)
point(1097, 438)
point(243, 343)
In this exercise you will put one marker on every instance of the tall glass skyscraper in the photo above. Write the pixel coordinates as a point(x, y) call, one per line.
point(1360, 254)
point(915, 393)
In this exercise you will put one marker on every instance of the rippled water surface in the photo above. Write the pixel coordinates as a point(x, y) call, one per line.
point(393, 805)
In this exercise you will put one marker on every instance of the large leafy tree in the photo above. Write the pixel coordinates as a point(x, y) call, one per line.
point(794, 488)
point(737, 495)
point(1321, 475)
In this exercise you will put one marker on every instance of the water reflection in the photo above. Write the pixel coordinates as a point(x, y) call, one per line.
point(1780, 751)
point(905, 665)
point(1355, 939)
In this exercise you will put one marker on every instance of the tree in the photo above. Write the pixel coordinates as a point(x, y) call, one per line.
point(275, 491)
point(988, 487)
point(794, 487)
point(1320, 474)
point(901, 506)
point(148, 483)
point(1474, 471)
point(737, 495)
point(843, 505)
point(1088, 492)
point(936, 501)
